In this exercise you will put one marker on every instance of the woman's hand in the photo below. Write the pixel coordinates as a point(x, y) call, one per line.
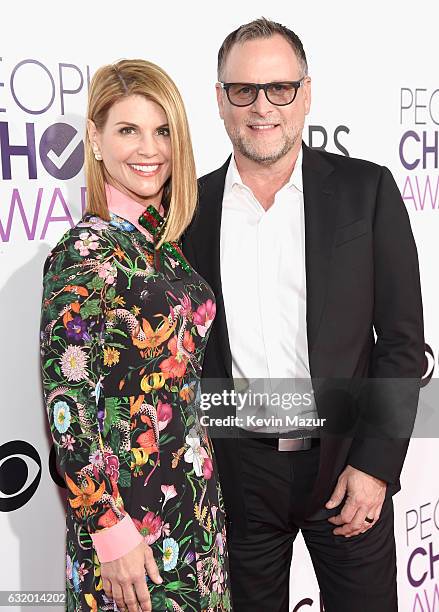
point(124, 579)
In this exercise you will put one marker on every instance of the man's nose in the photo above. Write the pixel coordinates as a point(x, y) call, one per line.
point(261, 105)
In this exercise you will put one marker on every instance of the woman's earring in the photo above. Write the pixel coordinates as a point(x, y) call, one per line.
point(98, 155)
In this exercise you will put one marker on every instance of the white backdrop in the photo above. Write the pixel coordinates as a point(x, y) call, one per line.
point(375, 85)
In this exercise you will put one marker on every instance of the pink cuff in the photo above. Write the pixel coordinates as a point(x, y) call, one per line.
point(116, 541)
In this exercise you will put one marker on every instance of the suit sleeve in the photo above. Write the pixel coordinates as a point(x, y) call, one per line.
point(392, 391)
point(78, 281)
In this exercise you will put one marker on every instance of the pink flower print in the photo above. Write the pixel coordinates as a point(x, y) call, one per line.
point(185, 301)
point(150, 527)
point(67, 441)
point(184, 308)
point(218, 582)
point(204, 316)
point(82, 571)
point(219, 542)
point(97, 461)
point(207, 468)
point(112, 465)
point(164, 414)
point(74, 363)
point(95, 223)
point(86, 243)
point(107, 272)
point(169, 492)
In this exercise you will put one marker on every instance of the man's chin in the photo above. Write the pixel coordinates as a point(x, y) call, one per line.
point(266, 158)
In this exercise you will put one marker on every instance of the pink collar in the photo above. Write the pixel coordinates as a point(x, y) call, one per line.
point(123, 206)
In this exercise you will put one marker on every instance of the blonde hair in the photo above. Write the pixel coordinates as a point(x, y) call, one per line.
point(110, 84)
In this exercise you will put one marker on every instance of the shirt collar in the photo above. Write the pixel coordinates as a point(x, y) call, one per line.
point(122, 205)
point(234, 178)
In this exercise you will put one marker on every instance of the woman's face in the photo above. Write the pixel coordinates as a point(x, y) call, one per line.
point(136, 148)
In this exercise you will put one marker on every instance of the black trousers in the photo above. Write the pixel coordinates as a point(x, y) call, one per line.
point(356, 574)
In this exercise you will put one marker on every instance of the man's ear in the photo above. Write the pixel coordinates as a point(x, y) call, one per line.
point(220, 99)
point(307, 94)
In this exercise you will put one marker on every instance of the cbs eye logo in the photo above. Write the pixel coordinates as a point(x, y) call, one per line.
point(428, 367)
point(20, 473)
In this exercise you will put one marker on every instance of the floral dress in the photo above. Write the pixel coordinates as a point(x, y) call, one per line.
point(123, 334)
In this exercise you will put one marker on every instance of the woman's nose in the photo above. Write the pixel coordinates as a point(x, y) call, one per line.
point(148, 146)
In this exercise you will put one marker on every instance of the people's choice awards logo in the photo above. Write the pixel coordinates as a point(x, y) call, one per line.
point(41, 145)
point(62, 151)
point(422, 540)
point(419, 147)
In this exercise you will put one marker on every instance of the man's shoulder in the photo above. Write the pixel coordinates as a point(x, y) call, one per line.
point(350, 166)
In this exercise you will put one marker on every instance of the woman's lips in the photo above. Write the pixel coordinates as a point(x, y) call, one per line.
point(145, 169)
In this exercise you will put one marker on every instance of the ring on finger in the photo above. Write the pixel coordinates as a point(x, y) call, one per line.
point(368, 520)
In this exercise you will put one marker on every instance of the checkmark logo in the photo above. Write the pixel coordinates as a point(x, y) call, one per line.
point(62, 151)
point(60, 160)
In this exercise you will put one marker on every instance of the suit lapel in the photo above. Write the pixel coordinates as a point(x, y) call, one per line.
point(205, 238)
point(320, 223)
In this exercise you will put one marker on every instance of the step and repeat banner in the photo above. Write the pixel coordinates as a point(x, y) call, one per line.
point(375, 96)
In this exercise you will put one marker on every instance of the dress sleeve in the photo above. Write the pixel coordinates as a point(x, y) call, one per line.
point(79, 279)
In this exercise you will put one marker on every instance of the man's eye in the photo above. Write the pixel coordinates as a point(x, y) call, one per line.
point(279, 87)
point(244, 90)
point(127, 130)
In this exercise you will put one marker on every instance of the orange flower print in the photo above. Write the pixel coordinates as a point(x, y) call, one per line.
point(175, 366)
point(108, 519)
point(86, 495)
point(147, 441)
point(154, 338)
point(111, 356)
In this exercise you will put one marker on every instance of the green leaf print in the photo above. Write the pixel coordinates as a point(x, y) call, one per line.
point(115, 441)
point(111, 294)
point(74, 254)
point(90, 308)
point(124, 478)
point(51, 312)
point(175, 586)
point(95, 283)
point(111, 413)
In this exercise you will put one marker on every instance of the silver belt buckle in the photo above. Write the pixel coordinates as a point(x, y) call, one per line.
point(293, 444)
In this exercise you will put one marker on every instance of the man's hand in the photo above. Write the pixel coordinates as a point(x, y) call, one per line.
point(365, 498)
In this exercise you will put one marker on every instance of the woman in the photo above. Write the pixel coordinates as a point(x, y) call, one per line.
point(125, 322)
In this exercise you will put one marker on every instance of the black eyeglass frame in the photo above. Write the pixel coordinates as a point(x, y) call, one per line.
point(264, 86)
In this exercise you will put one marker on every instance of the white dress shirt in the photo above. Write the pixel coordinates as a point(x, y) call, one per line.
point(262, 255)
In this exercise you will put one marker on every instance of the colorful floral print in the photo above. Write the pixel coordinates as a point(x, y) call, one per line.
point(122, 346)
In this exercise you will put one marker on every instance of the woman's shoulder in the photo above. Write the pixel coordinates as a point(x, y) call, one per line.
point(88, 239)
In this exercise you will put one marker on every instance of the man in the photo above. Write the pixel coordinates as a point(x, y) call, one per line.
point(309, 253)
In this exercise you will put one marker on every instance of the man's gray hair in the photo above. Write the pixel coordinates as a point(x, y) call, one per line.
point(261, 28)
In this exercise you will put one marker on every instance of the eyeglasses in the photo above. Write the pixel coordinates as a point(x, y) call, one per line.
point(279, 94)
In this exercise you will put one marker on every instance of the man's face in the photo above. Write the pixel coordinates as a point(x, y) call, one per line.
point(263, 132)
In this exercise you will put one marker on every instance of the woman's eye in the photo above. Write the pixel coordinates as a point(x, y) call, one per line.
point(163, 131)
point(127, 130)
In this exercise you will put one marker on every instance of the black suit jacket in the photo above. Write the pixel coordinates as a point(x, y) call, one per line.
point(361, 275)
